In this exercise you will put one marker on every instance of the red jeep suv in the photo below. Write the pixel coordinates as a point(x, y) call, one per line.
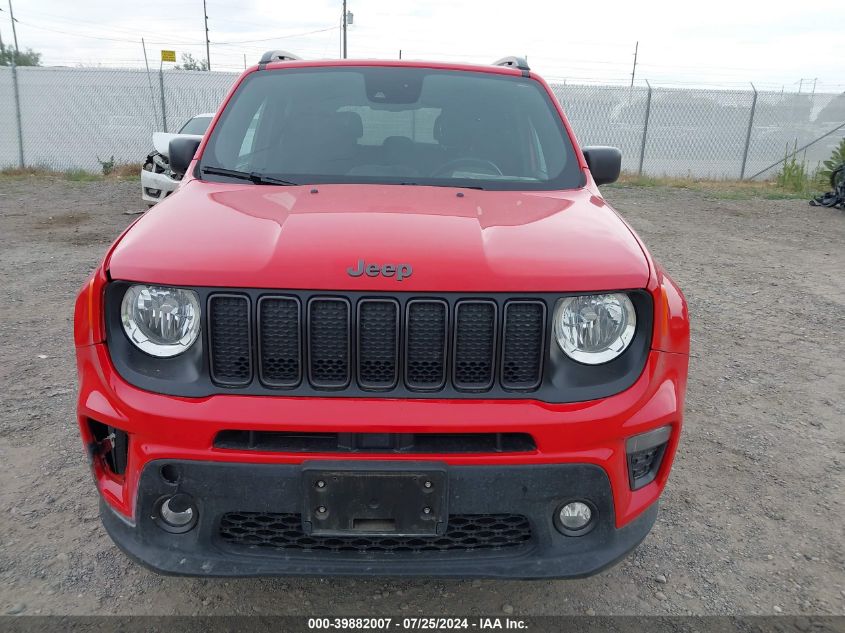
point(387, 324)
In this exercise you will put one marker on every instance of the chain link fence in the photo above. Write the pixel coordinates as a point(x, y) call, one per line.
point(73, 117)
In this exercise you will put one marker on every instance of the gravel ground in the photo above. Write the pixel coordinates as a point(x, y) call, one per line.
point(752, 519)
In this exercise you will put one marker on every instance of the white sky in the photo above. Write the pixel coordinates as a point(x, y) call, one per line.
point(715, 43)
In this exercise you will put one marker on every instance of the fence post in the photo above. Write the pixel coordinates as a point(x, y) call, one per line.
point(21, 162)
point(645, 128)
point(163, 109)
point(748, 133)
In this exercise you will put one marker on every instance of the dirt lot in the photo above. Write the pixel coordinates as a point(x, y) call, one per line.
point(751, 522)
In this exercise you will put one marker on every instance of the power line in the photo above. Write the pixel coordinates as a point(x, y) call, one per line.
point(278, 37)
point(107, 39)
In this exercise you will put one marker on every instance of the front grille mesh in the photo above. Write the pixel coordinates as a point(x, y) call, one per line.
point(465, 532)
point(377, 344)
point(328, 342)
point(280, 341)
point(475, 344)
point(231, 359)
point(426, 356)
point(522, 351)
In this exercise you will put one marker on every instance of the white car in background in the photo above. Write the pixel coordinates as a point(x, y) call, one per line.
point(157, 180)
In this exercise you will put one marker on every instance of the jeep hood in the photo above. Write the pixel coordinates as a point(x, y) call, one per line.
point(299, 237)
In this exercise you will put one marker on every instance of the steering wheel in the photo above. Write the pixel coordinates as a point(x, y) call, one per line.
point(450, 166)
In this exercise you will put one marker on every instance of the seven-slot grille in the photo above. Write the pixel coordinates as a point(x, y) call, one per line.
point(377, 344)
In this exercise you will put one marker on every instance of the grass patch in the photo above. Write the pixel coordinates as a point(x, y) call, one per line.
point(80, 175)
point(720, 189)
point(120, 171)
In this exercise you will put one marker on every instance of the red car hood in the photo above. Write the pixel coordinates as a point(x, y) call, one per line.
point(212, 234)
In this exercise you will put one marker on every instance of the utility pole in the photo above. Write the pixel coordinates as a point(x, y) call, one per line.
point(21, 162)
point(344, 29)
point(150, 81)
point(634, 71)
point(207, 47)
point(14, 32)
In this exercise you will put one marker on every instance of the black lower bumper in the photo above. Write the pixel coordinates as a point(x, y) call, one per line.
point(222, 490)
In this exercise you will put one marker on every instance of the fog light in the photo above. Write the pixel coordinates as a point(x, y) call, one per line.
point(575, 518)
point(177, 513)
point(575, 515)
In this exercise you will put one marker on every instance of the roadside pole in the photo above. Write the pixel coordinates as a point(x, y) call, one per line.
point(161, 89)
point(645, 128)
point(150, 82)
point(748, 133)
point(16, 89)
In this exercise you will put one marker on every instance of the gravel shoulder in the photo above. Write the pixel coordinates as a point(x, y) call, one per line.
point(752, 519)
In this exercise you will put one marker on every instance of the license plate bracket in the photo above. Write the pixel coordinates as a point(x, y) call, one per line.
point(368, 501)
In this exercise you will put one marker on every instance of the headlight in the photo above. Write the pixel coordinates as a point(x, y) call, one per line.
point(595, 329)
point(161, 321)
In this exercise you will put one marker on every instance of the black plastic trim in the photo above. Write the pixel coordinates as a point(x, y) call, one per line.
point(221, 487)
point(216, 379)
point(307, 441)
point(657, 439)
point(259, 337)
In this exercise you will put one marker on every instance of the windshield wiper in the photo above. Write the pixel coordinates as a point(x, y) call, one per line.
point(252, 176)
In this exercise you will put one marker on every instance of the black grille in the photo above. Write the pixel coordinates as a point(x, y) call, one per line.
point(400, 344)
point(522, 348)
point(328, 342)
point(465, 532)
point(378, 343)
point(310, 442)
point(231, 358)
point(426, 344)
point(475, 344)
point(279, 341)
point(643, 465)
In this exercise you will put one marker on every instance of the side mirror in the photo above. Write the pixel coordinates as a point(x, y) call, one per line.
point(181, 152)
point(605, 163)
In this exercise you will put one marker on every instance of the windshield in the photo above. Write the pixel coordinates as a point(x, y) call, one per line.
point(198, 125)
point(394, 125)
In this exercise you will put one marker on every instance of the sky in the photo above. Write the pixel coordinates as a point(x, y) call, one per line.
point(719, 43)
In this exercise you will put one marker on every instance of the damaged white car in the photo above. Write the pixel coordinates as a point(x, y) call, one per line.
point(157, 180)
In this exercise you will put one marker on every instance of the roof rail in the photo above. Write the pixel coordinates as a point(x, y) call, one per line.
point(514, 62)
point(276, 56)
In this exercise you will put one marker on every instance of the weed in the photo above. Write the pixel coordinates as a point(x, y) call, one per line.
point(107, 165)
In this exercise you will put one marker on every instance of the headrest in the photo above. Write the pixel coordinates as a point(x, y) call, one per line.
point(350, 123)
point(455, 129)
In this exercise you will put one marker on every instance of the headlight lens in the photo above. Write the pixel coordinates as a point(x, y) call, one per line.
point(595, 329)
point(161, 321)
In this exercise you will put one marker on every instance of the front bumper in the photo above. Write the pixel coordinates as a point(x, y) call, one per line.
point(155, 187)
point(534, 492)
point(577, 444)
